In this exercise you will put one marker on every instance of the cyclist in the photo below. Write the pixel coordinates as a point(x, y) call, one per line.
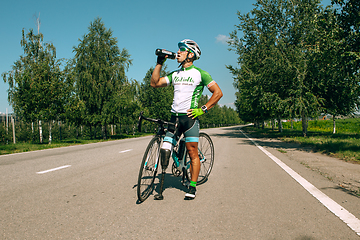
point(189, 82)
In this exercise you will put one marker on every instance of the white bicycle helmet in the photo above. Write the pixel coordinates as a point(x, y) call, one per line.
point(192, 45)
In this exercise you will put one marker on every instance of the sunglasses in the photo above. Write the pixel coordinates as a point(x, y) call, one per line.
point(184, 49)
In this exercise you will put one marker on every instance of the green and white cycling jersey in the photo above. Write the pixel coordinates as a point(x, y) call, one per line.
point(188, 84)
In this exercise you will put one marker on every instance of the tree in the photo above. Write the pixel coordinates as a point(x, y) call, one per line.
point(100, 74)
point(337, 83)
point(230, 115)
point(36, 82)
point(156, 102)
point(126, 104)
point(348, 18)
point(273, 79)
point(74, 106)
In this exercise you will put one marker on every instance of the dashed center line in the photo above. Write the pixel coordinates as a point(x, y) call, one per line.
point(66, 166)
point(128, 150)
point(54, 169)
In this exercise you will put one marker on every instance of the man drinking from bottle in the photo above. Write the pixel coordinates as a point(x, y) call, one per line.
point(189, 82)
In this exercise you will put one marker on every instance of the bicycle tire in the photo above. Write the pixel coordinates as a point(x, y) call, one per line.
point(148, 169)
point(206, 155)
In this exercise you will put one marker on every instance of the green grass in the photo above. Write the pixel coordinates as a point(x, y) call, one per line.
point(27, 147)
point(345, 144)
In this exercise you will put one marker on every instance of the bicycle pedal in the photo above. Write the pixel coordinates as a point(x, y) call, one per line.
point(158, 197)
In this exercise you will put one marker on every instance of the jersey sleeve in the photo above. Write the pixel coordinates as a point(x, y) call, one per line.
point(207, 79)
point(168, 78)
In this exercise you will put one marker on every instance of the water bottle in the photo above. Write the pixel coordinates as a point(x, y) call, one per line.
point(163, 52)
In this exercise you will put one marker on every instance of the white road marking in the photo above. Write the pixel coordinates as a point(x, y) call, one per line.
point(334, 207)
point(54, 169)
point(128, 150)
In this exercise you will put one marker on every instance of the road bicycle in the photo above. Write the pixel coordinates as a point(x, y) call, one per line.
point(181, 160)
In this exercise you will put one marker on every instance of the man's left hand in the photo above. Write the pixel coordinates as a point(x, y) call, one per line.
point(194, 113)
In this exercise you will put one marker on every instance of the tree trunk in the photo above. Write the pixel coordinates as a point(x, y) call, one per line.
point(272, 124)
point(92, 132)
point(32, 132)
point(304, 123)
point(334, 125)
point(50, 128)
point(103, 132)
point(13, 128)
point(7, 122)
point(59, 122)
point(280, 125)
point(292, 124)
point(40, 132)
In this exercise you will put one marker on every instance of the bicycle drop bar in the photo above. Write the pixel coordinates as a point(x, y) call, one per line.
point(159, 121)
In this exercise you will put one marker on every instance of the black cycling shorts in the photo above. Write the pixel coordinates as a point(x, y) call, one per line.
point(187, 126)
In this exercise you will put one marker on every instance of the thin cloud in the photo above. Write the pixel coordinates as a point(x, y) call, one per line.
point(222, 39)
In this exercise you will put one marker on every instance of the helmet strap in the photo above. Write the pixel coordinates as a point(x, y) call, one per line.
point(187, 57)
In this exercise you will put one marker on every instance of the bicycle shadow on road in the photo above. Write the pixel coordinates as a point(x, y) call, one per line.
point(170, 182)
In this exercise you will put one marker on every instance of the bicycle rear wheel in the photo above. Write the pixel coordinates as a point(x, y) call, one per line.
point(206, 155)
point(148, 169)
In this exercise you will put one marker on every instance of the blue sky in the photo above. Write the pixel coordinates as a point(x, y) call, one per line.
point(140, 26)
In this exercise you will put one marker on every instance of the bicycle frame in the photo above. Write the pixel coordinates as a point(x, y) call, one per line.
point(179, 163)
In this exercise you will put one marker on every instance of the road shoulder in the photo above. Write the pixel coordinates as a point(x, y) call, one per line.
point(344, 174)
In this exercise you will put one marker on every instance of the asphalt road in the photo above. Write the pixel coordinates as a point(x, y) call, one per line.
point(89, 192)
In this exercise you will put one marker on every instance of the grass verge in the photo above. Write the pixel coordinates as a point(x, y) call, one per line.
point(27, 147)
point(344, 145)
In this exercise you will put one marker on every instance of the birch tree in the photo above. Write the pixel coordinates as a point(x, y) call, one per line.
point(273, 79)
point(35, 82)
point(99, 68)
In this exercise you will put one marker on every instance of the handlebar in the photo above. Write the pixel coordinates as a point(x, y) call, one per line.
point(158, 121)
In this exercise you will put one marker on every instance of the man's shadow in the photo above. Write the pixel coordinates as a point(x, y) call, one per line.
point(170, 181)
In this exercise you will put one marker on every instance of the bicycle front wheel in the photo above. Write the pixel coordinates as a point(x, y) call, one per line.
point(148, 169)
point(206, 155)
